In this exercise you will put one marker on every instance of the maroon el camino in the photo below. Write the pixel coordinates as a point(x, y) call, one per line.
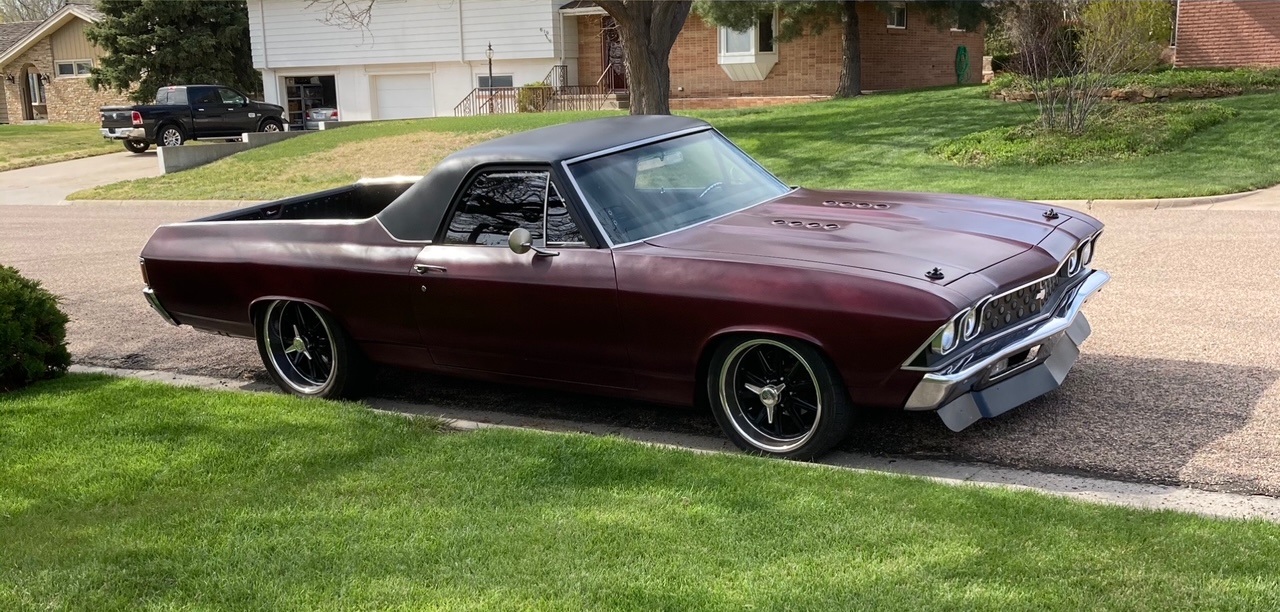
point(648, 257)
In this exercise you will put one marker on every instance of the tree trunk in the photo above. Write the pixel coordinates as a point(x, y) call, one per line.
point(648, 30)
point(851, 67)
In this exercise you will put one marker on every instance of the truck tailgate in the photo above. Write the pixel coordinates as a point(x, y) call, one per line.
point(116, 116)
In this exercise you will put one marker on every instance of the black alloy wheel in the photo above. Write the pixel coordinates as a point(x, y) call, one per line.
point(777, 396)
point(305, 351)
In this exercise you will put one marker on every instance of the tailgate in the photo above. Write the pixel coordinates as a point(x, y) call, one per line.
point(116, 116)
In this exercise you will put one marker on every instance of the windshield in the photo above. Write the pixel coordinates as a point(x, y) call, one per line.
point(643, 192)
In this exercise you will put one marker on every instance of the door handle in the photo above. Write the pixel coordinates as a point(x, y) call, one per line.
point(425, 269)
point(200, 109)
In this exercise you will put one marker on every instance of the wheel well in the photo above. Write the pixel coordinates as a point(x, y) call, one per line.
point(709, 349)
point(266, 120)
point(169, 123)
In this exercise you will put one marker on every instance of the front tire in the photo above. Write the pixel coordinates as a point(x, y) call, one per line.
point(306, 352)
point(778, 397)
point(170, 136)
point(136, 146)
point(272, 125)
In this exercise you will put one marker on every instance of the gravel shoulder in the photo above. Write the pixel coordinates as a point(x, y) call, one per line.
point(1180, 383)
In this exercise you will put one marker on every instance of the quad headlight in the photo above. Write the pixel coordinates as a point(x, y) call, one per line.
point(1073, 263)
point(946, 339)
point(969, 324)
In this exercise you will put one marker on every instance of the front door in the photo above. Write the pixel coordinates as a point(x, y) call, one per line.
point(481, 306)
point(611, 56)
point(236, 111)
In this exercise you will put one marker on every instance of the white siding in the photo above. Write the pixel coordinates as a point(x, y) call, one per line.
point(290, 38)
point(289, 33)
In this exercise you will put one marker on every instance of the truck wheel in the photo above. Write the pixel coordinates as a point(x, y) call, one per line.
point(136, 146)
point(306, 352)
point(171, 136)
point(272, 125)
point(778, 397)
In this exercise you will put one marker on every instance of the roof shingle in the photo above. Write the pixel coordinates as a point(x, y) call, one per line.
point(11, 33)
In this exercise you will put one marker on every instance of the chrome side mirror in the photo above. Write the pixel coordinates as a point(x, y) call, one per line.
point(521, 242)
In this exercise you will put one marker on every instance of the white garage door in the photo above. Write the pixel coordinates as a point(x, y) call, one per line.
point(401, 96)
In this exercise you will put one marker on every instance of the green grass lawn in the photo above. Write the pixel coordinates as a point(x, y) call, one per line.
point(118, 494)
point(24, 145)
point(882, 141)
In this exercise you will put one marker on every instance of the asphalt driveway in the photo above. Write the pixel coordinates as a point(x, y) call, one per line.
point(1180, 383)
point(51, 183)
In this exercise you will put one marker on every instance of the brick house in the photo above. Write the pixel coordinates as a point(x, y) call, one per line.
point(717, 67)
point(1227, 33)
point(45, 67)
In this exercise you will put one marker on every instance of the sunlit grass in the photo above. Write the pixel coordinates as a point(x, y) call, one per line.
point(119, 494)
point(23, 145)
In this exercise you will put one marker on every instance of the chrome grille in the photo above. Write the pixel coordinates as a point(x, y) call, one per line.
point(1020, 304)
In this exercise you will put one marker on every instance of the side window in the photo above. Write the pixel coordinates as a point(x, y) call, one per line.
point(205, 96)
point(560, 226)
point(496, 203)
point(231, 97)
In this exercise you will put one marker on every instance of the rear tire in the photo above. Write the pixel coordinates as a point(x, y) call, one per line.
point(136, 146)
point(170, 136)
point(307, 353)
point(778, 397)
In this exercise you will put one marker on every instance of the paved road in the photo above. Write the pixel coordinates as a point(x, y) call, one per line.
point(1180, 383)
point(51, 183)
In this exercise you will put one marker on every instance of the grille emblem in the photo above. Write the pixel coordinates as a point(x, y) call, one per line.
point(1040, 295)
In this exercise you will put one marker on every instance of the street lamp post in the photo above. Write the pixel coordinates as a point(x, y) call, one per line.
point(488, 53)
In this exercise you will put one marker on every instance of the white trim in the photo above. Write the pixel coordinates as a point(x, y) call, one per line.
point(75, 74)
point(584, 10)
point(55, 21)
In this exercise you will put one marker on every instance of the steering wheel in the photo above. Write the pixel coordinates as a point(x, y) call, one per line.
point(715, 185)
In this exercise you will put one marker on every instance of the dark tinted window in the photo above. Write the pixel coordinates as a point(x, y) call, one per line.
point(171, 95)
point(496, 203)
point(205, 96)
point(560, 226)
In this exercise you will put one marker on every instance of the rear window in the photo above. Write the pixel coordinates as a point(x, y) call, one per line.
point(172, 95)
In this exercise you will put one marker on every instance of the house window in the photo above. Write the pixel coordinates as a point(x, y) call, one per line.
point(755, 39)
point(74, 68)
point(499, 80)
point(898, 16)
point(749, 55)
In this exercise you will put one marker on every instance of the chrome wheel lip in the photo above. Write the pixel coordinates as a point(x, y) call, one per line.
point(729, 403)
point(286, 371)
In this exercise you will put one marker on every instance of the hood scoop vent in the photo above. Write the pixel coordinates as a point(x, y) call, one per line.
point(813, 225)
point(851, 204)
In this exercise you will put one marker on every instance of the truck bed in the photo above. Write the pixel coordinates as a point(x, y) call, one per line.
point(359, 201)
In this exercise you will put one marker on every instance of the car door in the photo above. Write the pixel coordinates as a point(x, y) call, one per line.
point(236, 115)
point(549, 316)
point(206, 111)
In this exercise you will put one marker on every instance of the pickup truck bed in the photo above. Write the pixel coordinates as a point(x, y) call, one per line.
point(362, 200)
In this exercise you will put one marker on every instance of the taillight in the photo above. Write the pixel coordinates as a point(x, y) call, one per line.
point(137, 117)
point(333, 115)
point(102, 116)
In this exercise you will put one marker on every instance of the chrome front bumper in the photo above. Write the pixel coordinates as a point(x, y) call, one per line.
point(123, 133)
point(152, 299)
point(1029, 363)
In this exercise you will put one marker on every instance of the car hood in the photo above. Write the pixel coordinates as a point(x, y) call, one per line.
point(899, 233)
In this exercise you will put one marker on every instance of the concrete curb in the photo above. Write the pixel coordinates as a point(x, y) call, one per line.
point(1079, 488)
point(1161, 203)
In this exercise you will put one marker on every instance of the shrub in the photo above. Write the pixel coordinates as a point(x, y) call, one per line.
point(1121, 131)
point(32, 332)
point(533, 98)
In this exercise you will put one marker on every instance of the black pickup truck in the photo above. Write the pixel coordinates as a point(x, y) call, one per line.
point(189, 112)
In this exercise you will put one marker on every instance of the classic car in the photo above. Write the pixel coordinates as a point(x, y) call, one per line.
point(648, 257)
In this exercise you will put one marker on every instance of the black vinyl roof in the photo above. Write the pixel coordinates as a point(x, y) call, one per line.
point(417, 213)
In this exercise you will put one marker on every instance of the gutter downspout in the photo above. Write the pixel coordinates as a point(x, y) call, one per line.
point(462, 44)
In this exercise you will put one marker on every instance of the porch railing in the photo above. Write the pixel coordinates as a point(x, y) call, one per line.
point(531, 99)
